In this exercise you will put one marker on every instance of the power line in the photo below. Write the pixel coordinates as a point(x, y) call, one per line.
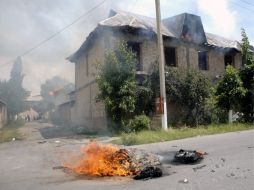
point(57, 33)
point(246, 2)
point(239, 5)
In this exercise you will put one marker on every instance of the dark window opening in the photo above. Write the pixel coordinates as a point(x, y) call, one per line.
point(170, 56)
point(135, 48)
point(229, 60)
point(202, 60)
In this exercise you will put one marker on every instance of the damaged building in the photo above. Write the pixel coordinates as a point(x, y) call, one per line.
point(186, 45)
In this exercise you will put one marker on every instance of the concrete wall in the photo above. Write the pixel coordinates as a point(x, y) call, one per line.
point(3, 114)
point(86, 112)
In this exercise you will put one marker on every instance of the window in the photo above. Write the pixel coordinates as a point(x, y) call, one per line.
point(228, 60)
point(135, 47)
point(170, 56)
point(202, 60)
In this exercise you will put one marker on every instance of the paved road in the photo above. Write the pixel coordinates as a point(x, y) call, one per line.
point(29, 164)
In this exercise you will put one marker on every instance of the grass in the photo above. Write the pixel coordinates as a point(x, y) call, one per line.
point(11, 130)
point(145, 137)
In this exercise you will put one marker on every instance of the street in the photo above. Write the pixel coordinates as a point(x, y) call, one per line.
point(33, 163)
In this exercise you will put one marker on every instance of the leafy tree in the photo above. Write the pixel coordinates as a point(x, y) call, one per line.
point(12, 91)
point(117, 85)
point(247, 76)
point(230, 90)
point(187, 89)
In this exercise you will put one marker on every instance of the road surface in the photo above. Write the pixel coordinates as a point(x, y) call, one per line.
point(33, 163)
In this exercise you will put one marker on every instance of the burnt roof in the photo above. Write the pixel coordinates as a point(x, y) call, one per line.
point(184, 26)
point(215, 40)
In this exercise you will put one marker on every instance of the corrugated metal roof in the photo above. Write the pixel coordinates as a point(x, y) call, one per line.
point(222, 42)
point(169, 26)
point(122, 18)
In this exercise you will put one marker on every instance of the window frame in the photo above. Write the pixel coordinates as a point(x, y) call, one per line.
point(203, 65)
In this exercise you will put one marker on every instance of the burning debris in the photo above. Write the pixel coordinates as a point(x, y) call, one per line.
point(188, 156)
point(149, 172)
point(108, 160)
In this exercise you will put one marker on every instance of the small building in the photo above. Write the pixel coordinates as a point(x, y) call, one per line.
point(186, 45)
point(3, 114)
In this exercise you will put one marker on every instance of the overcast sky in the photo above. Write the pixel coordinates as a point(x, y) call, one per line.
point(25, 23)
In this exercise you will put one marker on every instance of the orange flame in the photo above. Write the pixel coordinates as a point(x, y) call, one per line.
point(101, 160)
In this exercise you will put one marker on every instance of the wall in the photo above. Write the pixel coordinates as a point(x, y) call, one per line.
point(3, 114)
point(86, 112)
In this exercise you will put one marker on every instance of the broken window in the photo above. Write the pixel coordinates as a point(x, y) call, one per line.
point(170, 56)
point(228, 60)
point(135, 47)
point(202, 60)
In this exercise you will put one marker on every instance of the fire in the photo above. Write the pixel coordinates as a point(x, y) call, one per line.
point(101, 160)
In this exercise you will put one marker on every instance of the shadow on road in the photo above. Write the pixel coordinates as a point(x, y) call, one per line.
point(56, 132)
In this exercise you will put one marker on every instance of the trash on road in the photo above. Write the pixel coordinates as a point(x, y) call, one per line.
point(185, 180)
point(149, 172)
point(188, 156)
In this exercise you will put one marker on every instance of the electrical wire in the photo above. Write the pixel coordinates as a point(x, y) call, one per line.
point(57, 33)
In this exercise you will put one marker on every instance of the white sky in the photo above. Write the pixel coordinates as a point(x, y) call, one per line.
point(25, 23)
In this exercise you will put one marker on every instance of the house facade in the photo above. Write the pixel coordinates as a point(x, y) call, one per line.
point(3, 114)
point(186, 45)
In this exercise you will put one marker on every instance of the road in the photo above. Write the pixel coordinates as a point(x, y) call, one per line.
point(33, 163)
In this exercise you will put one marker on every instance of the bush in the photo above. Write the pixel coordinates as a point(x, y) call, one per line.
point(139, 123)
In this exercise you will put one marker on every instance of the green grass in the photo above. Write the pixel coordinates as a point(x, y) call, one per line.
point(145, 137)
point(11, 130)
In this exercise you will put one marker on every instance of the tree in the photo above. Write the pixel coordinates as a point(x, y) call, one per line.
point(230, 91)
point(188, 89)
point(247, 76)
point(12, 91)
point(117, 85)
point(48, 90)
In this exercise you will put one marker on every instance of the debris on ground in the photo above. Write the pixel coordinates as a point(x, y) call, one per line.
point(149, 172)
point(185, 180)
point(101, 160)
point(13, 139)
point(57, 141)
point(198, 167)
point(188, 156)
point(57, 167)
point(42, 142)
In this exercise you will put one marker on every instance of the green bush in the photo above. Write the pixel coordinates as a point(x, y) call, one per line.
point(139, 123)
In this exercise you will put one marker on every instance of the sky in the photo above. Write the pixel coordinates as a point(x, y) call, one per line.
point(26, 23)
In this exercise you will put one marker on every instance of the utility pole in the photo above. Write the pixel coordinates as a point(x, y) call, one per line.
point(164, 120)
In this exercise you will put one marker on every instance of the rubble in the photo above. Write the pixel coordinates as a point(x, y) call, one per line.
point(149, 172)
point(188, 156)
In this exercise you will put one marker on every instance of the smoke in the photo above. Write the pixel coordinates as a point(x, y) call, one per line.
point(25, 23)
point(220, 19)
